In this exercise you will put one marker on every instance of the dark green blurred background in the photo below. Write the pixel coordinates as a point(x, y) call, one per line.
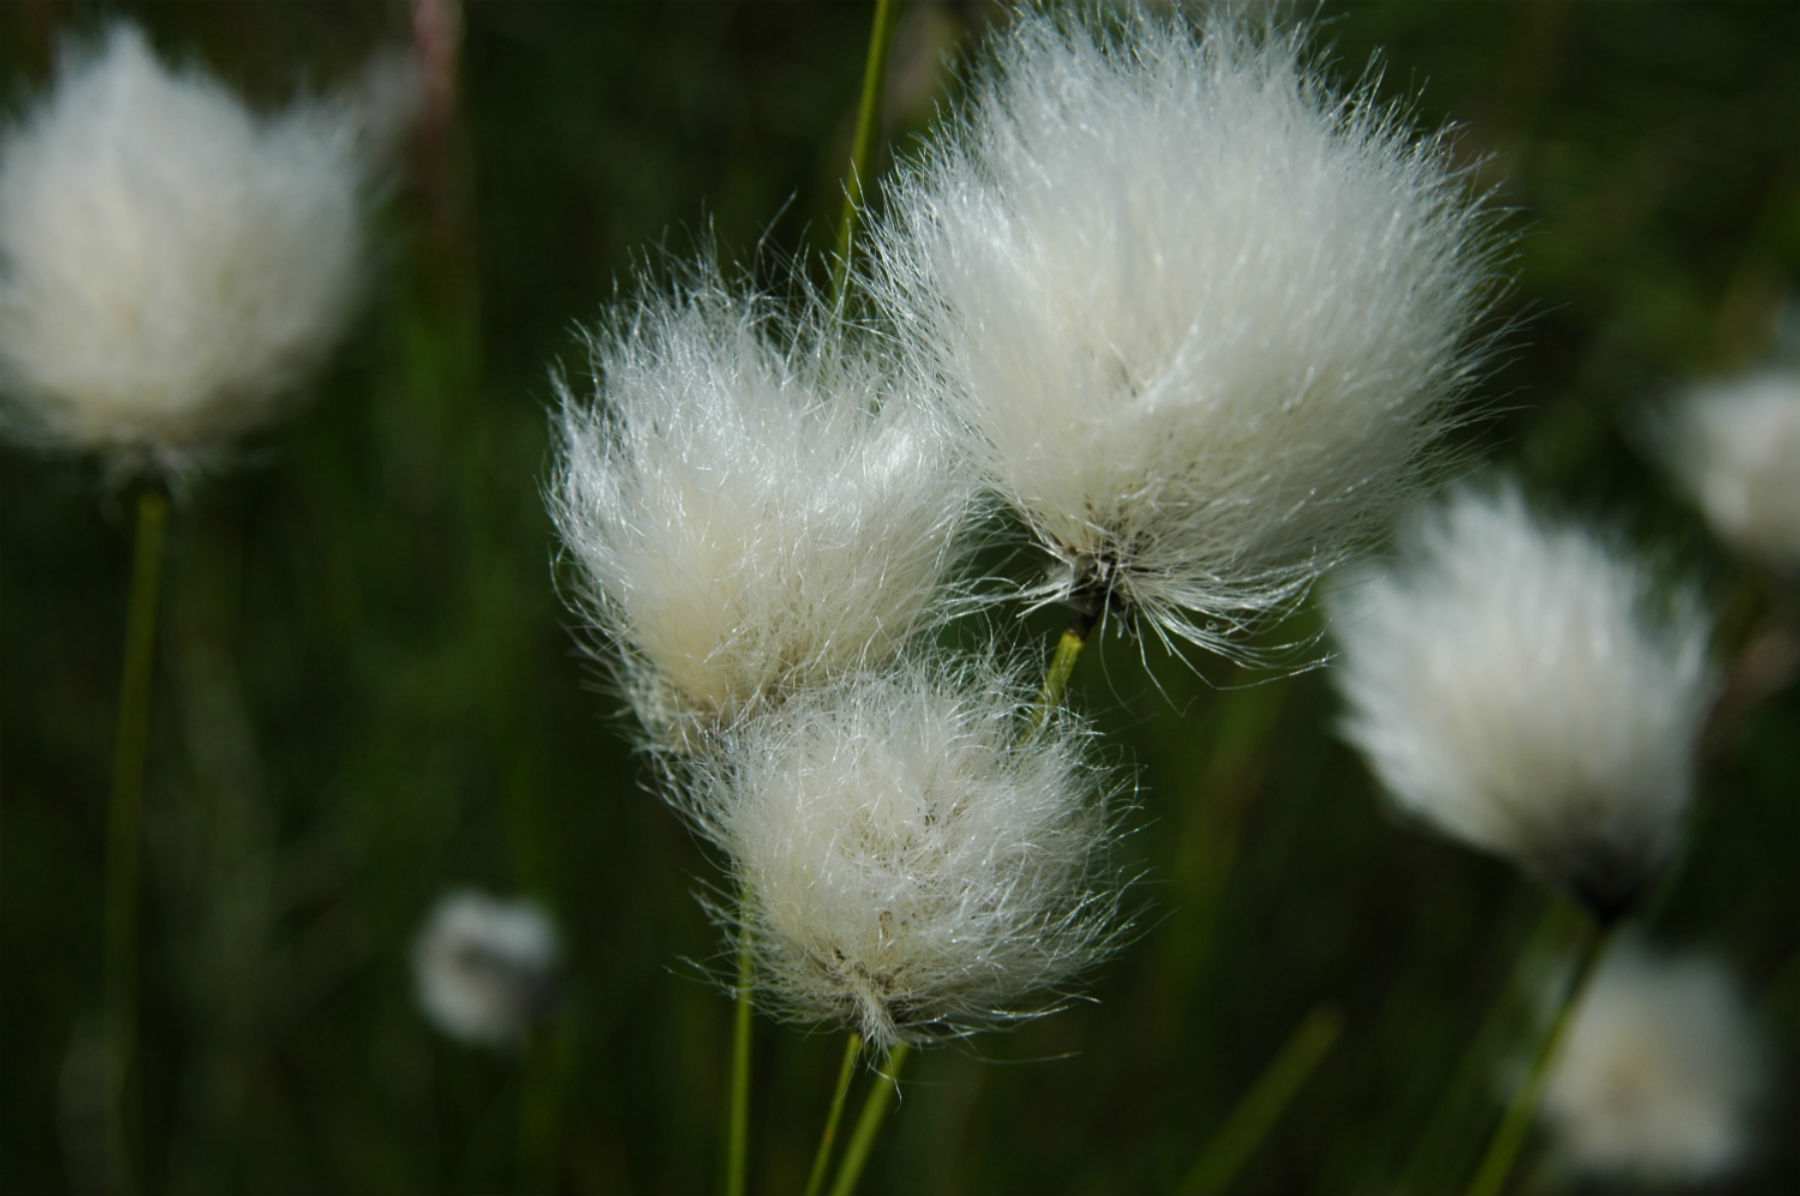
point(367, 692)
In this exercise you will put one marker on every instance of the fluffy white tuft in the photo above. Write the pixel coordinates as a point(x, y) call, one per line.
point(1735, 446)
point(907, 863)
point(1512, 686)
point(485, 970)
point(754, 503)
point(1203, 316)
point(171, 265)
point(1662, 1074)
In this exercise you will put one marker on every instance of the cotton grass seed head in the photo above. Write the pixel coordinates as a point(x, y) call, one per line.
point(909, 864)
point(171, 264)
point(485, 970)
point(1734, 445)
point(1203, 316)
point(1663, 1073)
point(1514, 685)
point(754, 501)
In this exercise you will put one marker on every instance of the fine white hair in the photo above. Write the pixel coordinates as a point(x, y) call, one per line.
point(755, 500)
point(1203, 316)
point(908, 861)
point(1663, 1072)
point(485, 970)
point(1734, 445)
point(1514, 685)
point(172, 265)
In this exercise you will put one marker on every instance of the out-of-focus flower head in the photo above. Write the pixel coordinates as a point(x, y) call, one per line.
point(1514, 685)
point(173, 265)
point(1662, 1075)
point(485, 970)
point(1734, 445)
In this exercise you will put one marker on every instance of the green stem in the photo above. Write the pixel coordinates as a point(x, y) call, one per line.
point(852, 1048)
point(737, 1130)
point(1062, 667)
point(125, 828)
point(1242, 1132)
point(1503, 1149)
point(862, 148)
point(868, 1123)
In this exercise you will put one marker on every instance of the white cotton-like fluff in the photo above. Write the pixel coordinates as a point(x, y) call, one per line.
point(1735, 446)
point(1203, 317)
point(485, 970)
point(907, 862)
point(171, 264)
point(1514, 686)
point(755, 503)
point(1662, 1074)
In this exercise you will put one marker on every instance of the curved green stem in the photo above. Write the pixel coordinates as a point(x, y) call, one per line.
point(1256, 1114)
point(862, 148)
point(737, 1127)
point(868, 1123)
point(847, 1069)
point(125, 828)
point(1503, 1149)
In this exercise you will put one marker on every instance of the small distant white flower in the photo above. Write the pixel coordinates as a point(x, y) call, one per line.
point(1203, 316)
point(485, 969)
point(1662, 1074)
point(1735, 446)
point(907, 865)
point(1513, 686)
point(754, 503)
point(171, 264)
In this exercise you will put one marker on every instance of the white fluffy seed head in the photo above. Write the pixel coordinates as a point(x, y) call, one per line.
point(171, 264)
point(907, 863)
point(485, 970)
point(1663, 1073)
point(1514, 685)
point(1734, 445)
point(1203, 316)
point(754, 503)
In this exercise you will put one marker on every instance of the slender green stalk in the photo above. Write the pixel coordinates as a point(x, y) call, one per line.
point(1503, 1149)
point(828, 1139)
point(1062, 667)
point(737, 1128)
point(862, 148)
point(125, 829)
point(868, 1123)
point(1236, 1140)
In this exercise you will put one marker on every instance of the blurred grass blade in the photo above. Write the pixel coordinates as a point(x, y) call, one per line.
point(1235, 1141)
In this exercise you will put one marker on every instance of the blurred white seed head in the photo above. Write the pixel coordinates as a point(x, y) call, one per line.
point(172, 264)
point(754, 502)
point(1514, 685)
point(1203, 316)
point(485, 970)
point(1734, 445)
point(1662, 1075)
point(908, 865)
